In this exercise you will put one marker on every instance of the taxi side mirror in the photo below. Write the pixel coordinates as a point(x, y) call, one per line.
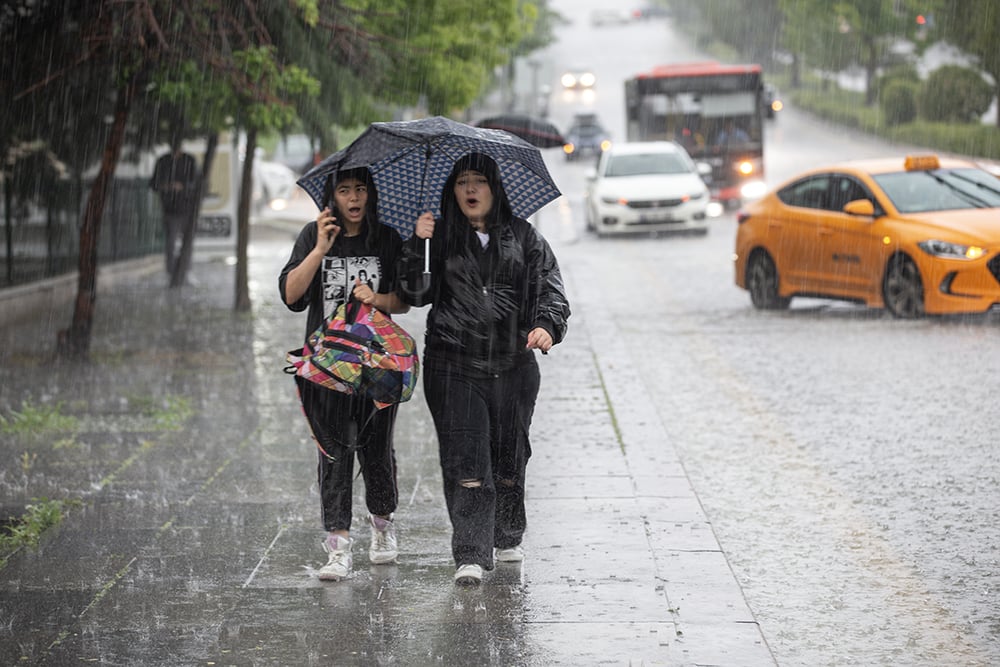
point(863, 207)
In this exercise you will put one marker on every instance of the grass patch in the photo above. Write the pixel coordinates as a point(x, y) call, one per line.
point(847, 108)
point(25, 531)
point(167, 414)
point(37, 420)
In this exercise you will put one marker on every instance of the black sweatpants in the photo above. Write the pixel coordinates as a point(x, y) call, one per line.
point(482, 426)
point(342, 426)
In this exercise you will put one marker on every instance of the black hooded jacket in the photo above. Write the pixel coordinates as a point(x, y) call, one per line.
point(484, 301)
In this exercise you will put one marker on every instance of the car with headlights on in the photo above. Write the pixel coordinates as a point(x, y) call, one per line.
point(646, 186)
point(916, 235)
point(578, 78)
point(586, 136)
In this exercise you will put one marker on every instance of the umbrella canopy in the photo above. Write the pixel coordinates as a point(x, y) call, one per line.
point(411, 160)
point(536, 131)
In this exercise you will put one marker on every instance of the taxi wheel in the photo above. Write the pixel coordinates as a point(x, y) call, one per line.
point(902, 289)
point(762, 283)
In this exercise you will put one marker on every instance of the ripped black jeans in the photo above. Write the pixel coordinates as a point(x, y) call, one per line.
point(482, 424)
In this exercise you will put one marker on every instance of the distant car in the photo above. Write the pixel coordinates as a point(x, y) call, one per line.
point(599, 17)
point(769, 101)
point(914, 235)
point(649, 186)
point(273, 185)
point(586, 137)
point(651, 11)
point(578, 78)
point(295, 151)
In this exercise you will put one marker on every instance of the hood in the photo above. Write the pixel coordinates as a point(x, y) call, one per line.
point(653, 186)
point(977, 225)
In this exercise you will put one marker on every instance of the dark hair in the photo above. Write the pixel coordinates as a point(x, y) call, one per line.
point(500, 212)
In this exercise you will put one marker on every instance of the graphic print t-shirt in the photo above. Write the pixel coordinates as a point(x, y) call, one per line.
point(339, 275)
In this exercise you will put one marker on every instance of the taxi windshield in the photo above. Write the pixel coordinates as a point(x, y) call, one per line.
point(940, 189)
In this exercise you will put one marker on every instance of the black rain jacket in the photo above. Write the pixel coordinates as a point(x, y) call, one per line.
point(485, 301)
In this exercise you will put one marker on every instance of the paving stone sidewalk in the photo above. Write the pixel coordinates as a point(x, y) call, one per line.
point(191, 529)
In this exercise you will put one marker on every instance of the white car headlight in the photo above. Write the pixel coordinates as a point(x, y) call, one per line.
point(939, 248)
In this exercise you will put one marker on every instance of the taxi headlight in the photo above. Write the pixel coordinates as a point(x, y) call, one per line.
point(939, 248)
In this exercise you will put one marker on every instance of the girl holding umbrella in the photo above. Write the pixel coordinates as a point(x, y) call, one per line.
point(496, 296)
point(342, 255)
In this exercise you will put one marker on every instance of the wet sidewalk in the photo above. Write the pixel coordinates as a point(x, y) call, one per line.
point(192, 532)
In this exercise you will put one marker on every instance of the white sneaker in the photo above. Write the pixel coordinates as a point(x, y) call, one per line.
point(469, 575)
point(338, 566)
point(513, 554)
point(383, 547)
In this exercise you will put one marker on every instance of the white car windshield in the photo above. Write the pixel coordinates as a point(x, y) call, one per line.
point(646, 163)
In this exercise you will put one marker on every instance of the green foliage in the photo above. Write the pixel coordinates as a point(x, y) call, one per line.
point(954, 93)
point(168, 413)
point(844, 107)
point(37, 420)
point(25, 531)
point(974, 24)
point(265, 105)
point(906, 72)
point(444, 51)
point(899, 101)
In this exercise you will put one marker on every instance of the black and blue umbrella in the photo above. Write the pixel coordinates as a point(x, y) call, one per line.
point(410, 161)
point(536, 131)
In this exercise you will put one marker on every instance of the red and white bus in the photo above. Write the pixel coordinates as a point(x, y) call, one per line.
point(714, 111)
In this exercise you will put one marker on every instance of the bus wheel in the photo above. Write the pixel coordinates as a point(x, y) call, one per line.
point(762, 283)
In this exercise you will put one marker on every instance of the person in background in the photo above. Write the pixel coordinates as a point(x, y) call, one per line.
point(496, 296)
point(731, 134)
point(345, 241)
point(688, 134)
point(177, 182)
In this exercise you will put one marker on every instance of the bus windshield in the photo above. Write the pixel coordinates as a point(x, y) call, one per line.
point(711, 109)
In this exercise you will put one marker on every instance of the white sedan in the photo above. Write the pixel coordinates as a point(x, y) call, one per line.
point(649, 186)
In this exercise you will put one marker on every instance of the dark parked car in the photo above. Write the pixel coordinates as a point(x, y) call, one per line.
point(586, 136)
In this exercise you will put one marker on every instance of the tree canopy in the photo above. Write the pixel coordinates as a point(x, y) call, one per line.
point(74, 71)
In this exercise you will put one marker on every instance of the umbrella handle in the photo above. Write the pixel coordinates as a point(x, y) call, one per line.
point(427, 256)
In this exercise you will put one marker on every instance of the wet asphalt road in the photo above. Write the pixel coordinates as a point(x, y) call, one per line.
point(196, 540)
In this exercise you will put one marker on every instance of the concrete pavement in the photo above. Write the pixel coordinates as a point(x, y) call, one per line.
point(195, 539)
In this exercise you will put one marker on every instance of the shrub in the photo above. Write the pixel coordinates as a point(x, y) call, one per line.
point(954, 94)
point(901, 72)
point(899, 102)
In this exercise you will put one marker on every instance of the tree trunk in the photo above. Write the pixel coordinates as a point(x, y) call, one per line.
point(8, 208)
point(243, 224)
point(76, 339)
point(191, 225)
point(871, 67)
point(996, 97)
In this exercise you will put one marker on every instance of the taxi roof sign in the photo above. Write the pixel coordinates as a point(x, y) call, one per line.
point(921, 162)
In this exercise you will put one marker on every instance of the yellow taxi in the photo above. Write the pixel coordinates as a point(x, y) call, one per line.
point(916, 235)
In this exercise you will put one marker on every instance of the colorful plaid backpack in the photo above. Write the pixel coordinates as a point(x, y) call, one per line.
point(360, 350)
